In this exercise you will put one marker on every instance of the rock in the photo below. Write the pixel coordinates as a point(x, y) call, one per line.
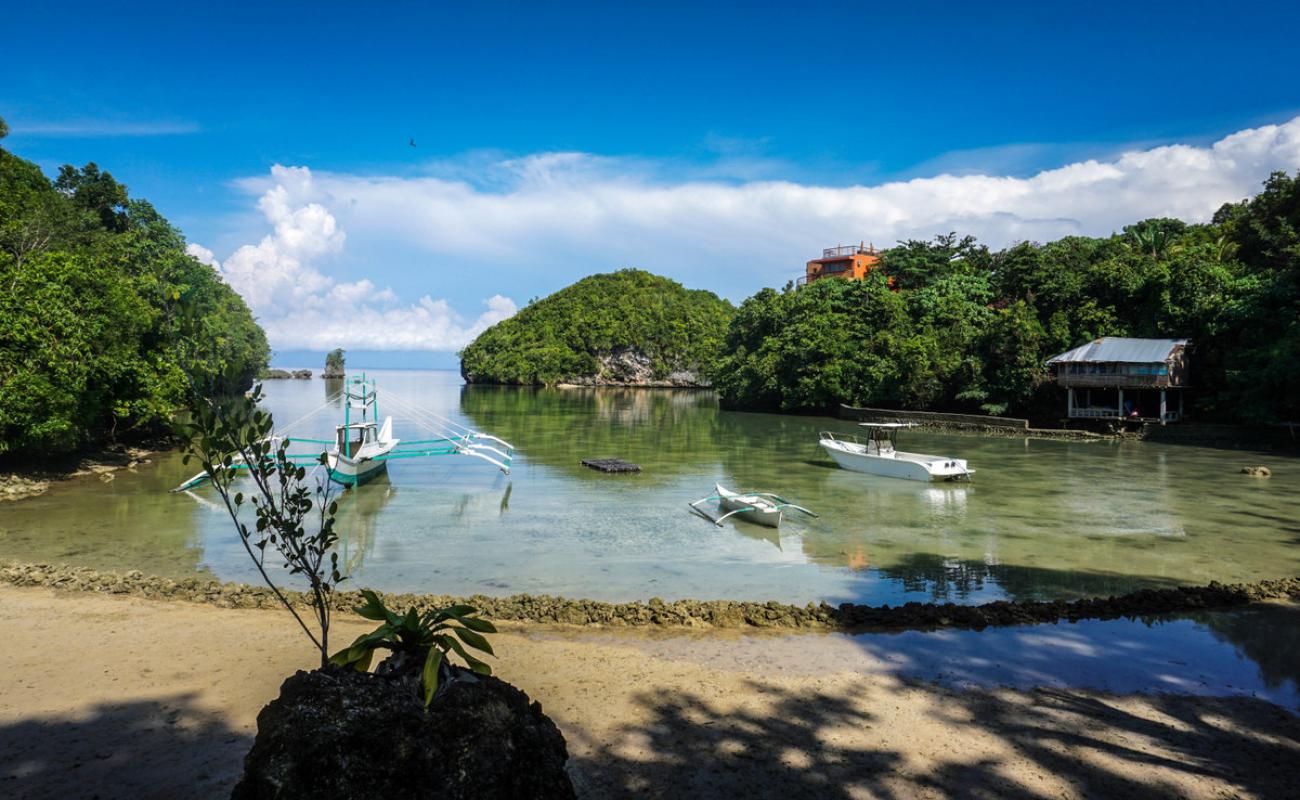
point(339, 733)
point(275, 375)
point(1257, 472)
point(302, 374)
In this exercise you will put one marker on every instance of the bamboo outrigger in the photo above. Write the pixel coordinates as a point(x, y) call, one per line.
point(362, 448)
point(763, 508)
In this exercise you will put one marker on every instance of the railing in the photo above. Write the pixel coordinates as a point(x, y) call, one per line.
point(847, 250)
point(1114, 380)
point(1113, 413)
point(1095, 413)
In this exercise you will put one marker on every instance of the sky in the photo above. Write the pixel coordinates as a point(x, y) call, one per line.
point(393, 177)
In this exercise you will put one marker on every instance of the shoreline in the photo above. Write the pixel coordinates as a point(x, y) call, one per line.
point(162, 701)
point(698, 614)
point(21, 481)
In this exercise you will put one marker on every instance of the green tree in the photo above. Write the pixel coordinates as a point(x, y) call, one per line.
point(564, 337)
point(106, 324)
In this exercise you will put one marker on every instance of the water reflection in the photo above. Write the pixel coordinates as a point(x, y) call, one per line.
point(1043, 519)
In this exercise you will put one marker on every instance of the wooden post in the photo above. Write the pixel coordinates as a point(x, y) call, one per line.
point(1121, 403)
point(1180, 406)
point(1162, 406)
point(1069, 402)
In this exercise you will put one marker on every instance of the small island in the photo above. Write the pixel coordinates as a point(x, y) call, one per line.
point(625, 328)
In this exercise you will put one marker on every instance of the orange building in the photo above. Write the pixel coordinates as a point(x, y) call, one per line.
point(851, 262)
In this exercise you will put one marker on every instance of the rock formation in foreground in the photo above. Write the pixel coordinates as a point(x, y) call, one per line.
point(340, 733)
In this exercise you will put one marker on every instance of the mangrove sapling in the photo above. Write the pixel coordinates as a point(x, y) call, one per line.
point(234, 436)
point(419, 642)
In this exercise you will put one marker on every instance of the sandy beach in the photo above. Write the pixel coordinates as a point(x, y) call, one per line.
point(107, 697)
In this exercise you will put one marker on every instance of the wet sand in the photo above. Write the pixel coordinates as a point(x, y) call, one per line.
point(122, 697)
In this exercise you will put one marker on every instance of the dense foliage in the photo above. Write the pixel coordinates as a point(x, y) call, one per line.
point(106, 324)
point(951, 325)
point(563, 336)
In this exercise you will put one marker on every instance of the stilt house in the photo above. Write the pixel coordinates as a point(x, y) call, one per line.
point(1118, 378)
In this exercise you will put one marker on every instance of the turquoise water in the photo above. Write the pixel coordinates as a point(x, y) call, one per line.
point(1042, 519)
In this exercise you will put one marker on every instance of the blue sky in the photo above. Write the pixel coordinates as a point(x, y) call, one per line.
point(721, 145)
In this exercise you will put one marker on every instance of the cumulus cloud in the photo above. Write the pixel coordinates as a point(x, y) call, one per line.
point(544, 220)
point(301, 307)
point(203, 254)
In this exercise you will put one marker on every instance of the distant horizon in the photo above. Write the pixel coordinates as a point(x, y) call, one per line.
point(314, 360)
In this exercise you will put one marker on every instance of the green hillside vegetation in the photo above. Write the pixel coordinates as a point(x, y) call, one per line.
point(964, 328)
point(105, 321)
point(564, 337)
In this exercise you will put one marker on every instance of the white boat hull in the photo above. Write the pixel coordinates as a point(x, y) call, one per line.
point(352, 472)
point(896, 464)
point(755, 509)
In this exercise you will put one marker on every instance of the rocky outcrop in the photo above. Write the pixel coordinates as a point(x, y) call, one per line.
point(630, 367)
point(683, 613)
point(20, 487)
point(1256, 472)
point(284, 374)
point(101, 464)
point(341, 733)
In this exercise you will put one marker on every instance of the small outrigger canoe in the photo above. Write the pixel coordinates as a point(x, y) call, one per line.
point(762, 508)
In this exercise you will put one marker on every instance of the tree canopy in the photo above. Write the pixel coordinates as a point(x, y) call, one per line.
point(106, 324)
point(563, 336)
point(950, 325)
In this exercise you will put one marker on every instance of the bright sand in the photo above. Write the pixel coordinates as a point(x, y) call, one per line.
point(121, 697)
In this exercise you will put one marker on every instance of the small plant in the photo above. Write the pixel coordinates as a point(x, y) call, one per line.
point(418, 641)
point(233, 437)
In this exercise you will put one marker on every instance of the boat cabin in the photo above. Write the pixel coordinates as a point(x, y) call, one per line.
point(1119, 378)
point(352, 437)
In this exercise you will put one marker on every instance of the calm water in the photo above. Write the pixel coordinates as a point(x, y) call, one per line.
point(1043, 519)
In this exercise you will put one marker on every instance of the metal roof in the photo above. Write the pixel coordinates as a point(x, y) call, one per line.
point(1117, 349)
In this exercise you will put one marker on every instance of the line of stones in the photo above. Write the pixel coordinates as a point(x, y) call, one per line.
point(681, 613)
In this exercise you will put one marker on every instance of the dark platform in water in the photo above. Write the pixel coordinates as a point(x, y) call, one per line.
point(611, 465)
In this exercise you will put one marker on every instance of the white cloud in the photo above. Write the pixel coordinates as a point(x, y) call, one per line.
point(301, 307)
point(203, 254)
point(79, 128)
point(541, 221)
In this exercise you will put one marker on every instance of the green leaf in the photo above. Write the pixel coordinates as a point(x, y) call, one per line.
point(474, 664)
point(476, 624)
point(473, 639)
point(374, 608)
point(429, 676)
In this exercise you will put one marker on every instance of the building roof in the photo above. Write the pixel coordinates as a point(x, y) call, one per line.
point(1116, 349)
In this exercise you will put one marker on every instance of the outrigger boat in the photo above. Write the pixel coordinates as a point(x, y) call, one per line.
point(763, 508)
point(361, 447)
point(878, 455)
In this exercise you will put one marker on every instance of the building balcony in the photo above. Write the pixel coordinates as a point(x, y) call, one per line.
point(1114, 381)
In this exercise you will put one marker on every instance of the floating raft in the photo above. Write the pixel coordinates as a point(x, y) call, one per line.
point(611, 465)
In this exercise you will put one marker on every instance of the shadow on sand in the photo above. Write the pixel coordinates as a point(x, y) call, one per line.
point(940, 743)
point(162, 748)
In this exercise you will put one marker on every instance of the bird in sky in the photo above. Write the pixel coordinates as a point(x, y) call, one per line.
point(412, 143)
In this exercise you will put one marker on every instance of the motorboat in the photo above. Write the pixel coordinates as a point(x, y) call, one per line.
point(878, 454)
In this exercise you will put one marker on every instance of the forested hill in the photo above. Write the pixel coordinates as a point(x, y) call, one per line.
point(105, 321)
point(952, 325)
point(622, 328)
